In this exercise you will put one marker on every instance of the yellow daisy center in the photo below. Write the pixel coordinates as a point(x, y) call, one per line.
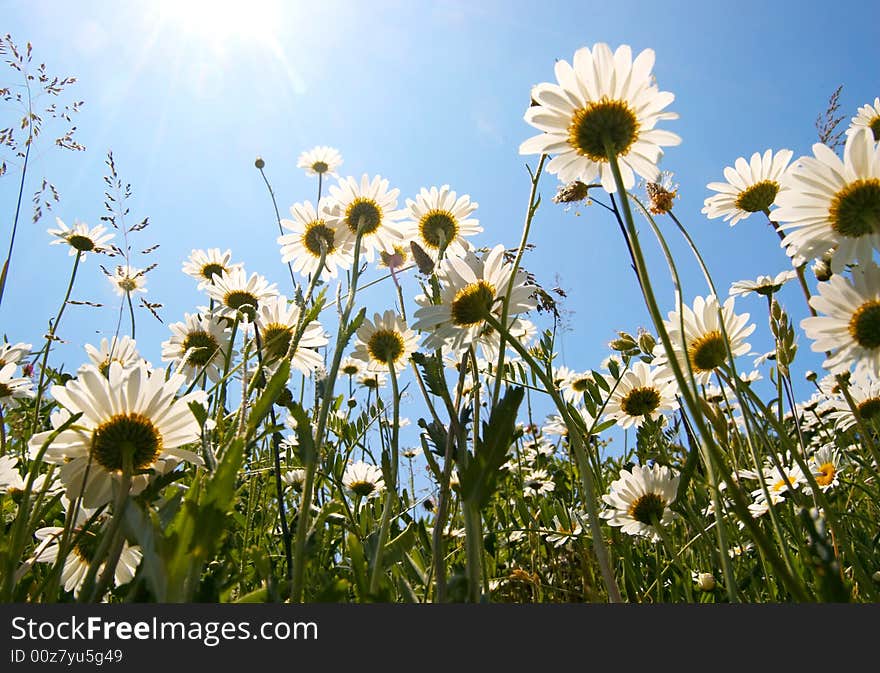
point(472, 303)
point(362, 487)
point(758, 197)
point(81, 243)
point(826, 475)
point(707, 352)
point(869, 408)
point(204, 347)
point(364, 215)
point(5, 390)
point(647, 508)
point(579, 385)
point(350, 369)
point(602, 127)
point(438, 226)
point(855, 209)
point(276, 340)
point(640, 402)
point(128, 283)
point(239, 300)
point(129, 434)
point(212, 269)
point(86, 545)
point(320, 167)
point(317, 237)
point(874, 125)
point(864, 326)
point(385, 346)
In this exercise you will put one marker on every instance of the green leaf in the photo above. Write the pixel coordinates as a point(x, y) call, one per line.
point(264, 403)
point(303, 430)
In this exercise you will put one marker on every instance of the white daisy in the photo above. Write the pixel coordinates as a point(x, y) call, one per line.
point(370, 205)
point(236, 294)
point(472, 289)
point(197, 345)
point(565, 532)
point(14, 387)
point(385, 341)
point(556, 426)
point(277, 322)
point(80, 556)
point(311, 235)
point(778, 482)
point(10, 479)
point(826, 465)
point(537, 483)
point(829, 203)
point(320, 160)
point(641, 498)
point(762, 285)
point(702, 343)
point(128, 280)
point(131, 411)
point(440, 220)
point(351, 366)
point(80, 237)
point(603, 102)
point(13, 352)
point(867, 117)
point(204, 265)
point(641, 393)
point(122, 350)
point(752, 186)
point(574, 385)
point(372, 380)
point(864, 389)
point(850, 328)
point(294, 478)
point(363, 479)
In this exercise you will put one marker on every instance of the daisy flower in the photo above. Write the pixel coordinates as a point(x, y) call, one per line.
point(603, 103)
point(826, 465)
point(564, 532)
point(833, 203)
point(129, 415)
point(641, 393)
point(363, 479)
point(778, 482)
point(370, 206)
point(752, 186)
point(762, 285)
point(128, 280)
point(122, 350)
point(13, 352)
point(10, 479)
point(473, 288)
point(640, 499)
point(236, 294)
point(537, 483)
point(489, 340)
point(702, 344)
point(204, 265)
point(197, 345)
point(385, 341)
point(351, 366)
point(320, 160)
point(556, 426)
point(80, 237)
point(372, 380)
point(311, 235)
point(14, 387)
point(867, 117)
point(850, 328)
point(864, 389)
point(80, 556)
point(294, 478)
point(440, 220)
point(277, 322)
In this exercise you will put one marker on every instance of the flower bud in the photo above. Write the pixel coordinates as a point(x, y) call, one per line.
point(259, 163)
point(706, 581)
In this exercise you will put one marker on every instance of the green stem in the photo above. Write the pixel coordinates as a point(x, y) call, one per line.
point(50, 337)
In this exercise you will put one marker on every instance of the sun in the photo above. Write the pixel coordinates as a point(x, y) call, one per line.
point(221, 21)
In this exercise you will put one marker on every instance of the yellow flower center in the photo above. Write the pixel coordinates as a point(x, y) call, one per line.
point(204, 347)
point(436, 227)
point(212, 269)
point(758, 197)
point(707, 352)
point(128, 434)
point(472, 303)
point(320, 167)
point(242, 301)
point(869, 408)
point(864, 326)
point(603, 127)
point(362, 488)
point(855, 209)
point(647, 508)
point(640, 402)
point(81, 243)
point(276, 340)
point(317, 237)
point(385, 346)
point(364, 215)
point(826, 475)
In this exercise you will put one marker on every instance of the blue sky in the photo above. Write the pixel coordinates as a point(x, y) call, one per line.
point(423, 94)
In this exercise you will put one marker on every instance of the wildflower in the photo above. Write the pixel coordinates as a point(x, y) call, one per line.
point(762, 285)
point(294, 478)
point(384, 342)
point(320, 160)
point(80, 237)
point(311, 235)
point(439, 220)
point(128, 280)
point(122, 350)
point(10, 479)
point(603, 104)
point(363, 479)
point(537, 483)
point(197, 346)
point(238, 295)
point(13, 353)
point(752, 186)
point(277, 321)
point(867, 117)
point(640, 499)
point(205, 265)
point(641, 393)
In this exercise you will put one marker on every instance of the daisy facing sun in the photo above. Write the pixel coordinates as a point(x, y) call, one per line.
point(603, 102)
